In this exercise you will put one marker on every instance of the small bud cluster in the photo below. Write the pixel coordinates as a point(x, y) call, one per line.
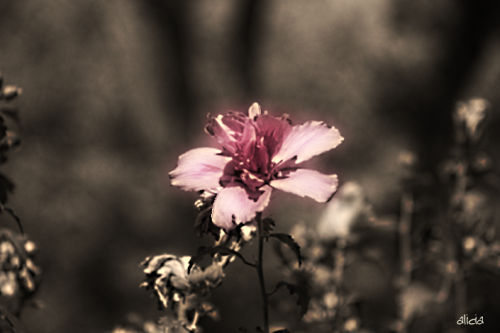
point(19, 275)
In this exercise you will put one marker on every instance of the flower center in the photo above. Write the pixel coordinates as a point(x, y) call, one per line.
point(253, 172)
point(251, 144)
point(246, 172)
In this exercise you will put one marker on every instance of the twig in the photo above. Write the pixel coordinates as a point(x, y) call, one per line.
point(338, 276)
point(406, 263)
point(16, 218)
point(405, 238)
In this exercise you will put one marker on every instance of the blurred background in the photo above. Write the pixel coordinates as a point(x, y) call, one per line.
point(114, 91)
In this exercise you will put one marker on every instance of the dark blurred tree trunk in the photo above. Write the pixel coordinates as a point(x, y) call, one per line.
point(249, 22)
point(427, 107)
point(462, 51)
point(172, 20)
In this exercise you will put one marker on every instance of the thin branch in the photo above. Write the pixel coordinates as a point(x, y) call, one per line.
point(406, 262)
point(405, 239)
point(16, 218)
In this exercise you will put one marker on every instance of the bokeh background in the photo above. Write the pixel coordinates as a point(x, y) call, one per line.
point(114, 91)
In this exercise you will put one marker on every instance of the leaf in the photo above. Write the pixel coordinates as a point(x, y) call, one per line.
point(278, 249)
point(196, 259)
point(291, 243)
point(6, 186)
point(11, 113)
point(203, 223)
point(3, 129)
point(9, 322)
point(299, 290)
point(221, 250)
point(268, 225)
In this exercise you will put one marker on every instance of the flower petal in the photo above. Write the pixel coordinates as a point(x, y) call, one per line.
point(199, 169)
point(307, 140)
point(227, 129)
point(310, 183)
point(254, 111)
point(273, 130)
point(232, 206)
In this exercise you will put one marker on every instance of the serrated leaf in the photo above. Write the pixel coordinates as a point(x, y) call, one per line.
point(290, 242)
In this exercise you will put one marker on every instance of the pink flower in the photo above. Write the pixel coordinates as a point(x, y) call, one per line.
point(258, 152)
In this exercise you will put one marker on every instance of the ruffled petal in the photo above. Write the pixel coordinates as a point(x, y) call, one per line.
point(232, 206)
point(199, 169)
point(308, 183)
point(273, 130)
point(307, 140)
point(227, 129)
point(254, 111)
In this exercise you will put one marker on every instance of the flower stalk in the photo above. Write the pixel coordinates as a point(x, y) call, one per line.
point(260, 273)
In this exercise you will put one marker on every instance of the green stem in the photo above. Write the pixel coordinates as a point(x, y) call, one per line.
point(260, 272)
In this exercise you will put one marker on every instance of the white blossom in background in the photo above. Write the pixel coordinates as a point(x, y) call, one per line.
point(471, 114)
point(342, 211)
